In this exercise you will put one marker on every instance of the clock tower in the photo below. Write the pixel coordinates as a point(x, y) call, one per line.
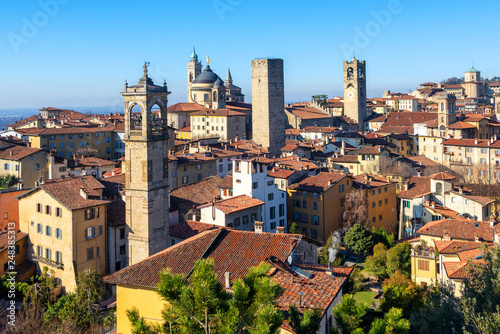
point(146, 173)
point(355, 91)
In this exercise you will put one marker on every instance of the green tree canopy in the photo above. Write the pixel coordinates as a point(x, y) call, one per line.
point(376, 263)
point(294, 229)
point(401, 292)
point(358, 240)
point(399, 258)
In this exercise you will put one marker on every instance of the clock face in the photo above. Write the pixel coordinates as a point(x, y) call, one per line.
point(350, 95)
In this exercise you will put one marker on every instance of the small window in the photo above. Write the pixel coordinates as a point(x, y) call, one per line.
point(39, 228)
point(270, 196)
point(58, 233)
point(48, 231)
point(48, 210)
point(270, 183)
point(98, 252)
point(39, 208)
point(48, 254)
point(99, 230)
point(122, 249)
point(255, 185)
point(237, 222)
point(122, 233)
point(90, 253)
point(58, 212)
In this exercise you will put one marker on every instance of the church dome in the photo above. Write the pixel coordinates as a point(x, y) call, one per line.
point(207, 76)
point(218, 83)
point(472, 69)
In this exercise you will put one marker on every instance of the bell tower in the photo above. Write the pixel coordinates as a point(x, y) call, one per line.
point(355, 91)
point(193, 70)
point(146, 173)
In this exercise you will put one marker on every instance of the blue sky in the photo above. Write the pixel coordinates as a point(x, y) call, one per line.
point(70, 53)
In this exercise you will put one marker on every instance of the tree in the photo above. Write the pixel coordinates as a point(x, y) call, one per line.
point(320, 99)
point(358, 240)
point(452, 81)
point(294, 229)
point(440, 312)
point(201, 305)
point(79, 306)
point(401, 292)
point(376, 263)
point(8, 181)
point(355, 211)
point(399, 258)
point(393, 322)
point(308, 323)
point(348, 316)
point(481, 293)
point(381, 235)
point(355, 283)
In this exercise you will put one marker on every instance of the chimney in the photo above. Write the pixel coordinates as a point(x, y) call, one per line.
point(227, 280)
point(84, 193)
point(446, 235)
point(280, 229)
point(476, 238)
point(300, 299)
point(461, 190)
point(406, 185)
point(11, 153)
point(342, 149)
point(258, 227)
point(475, 141)
point(493, 221)
point(428, 203)
point(433, 205)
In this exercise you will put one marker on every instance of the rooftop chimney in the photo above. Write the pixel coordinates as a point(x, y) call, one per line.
point(280, 229)
point(84, 193)
point(258, 227)
point(461, 190)
point(11, 153)
point(493, 220)
point(446, 235)
point(476, 238)
point(227, 280)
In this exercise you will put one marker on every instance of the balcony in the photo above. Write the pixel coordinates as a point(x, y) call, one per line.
point(427, 253)
point(44, 260)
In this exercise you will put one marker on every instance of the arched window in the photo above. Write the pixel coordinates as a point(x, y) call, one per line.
point(349, 72)
point(439, 188)
point(442, 106)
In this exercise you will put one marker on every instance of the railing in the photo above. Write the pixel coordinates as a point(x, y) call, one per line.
point(423, 253)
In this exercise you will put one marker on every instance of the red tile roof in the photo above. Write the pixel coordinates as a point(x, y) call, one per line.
point(318, 292)
point(207, 112)
point(442, 176)
point(460, 229)
point(280, 173)
point(4, 238)
point(185, 107)
point(67, 191)
point(454, 246)
point(318, 183)
point(307, 112)
point(235, 204)
point(195, 194)
point(190, 228)
point(418, 187)
point(18, 152)
point(232, 251)
point(461, 125)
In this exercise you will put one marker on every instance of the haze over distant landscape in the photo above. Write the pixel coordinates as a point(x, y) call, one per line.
point(71, 53)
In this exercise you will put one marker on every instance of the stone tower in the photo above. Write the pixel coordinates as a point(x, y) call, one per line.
point(146, 173)
point(355, 90)
point(447, 113)
point(193, 70)
point(219, 95)
point(268, 104)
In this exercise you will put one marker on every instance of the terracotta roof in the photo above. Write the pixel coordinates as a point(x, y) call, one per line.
point(18, 152)
point(322, 129)
point(190, 228)
point(471, 254)
point(456, 270)
point(480, 199)
point(195, 194)
point(290, 147)
point(69, 130)
point(318, 292)
point(443, 211)
point(235, 204)
point(4, 238)
point(292, 132)
point(452, 247)
point(418, 187)
point(67, 191)
point(423, 160)
point(442, 176)
point(459, 229)
point(232, 251)
point(348, 158)
point(371, 181)
point(461, 125)
point(318, 183)
point(185, 107)
point(93, 161)
point(280, 173)
point(307, 112)
point(296, 164)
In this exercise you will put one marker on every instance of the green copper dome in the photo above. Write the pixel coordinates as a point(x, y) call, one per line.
point(194, 56)
point(472, 69)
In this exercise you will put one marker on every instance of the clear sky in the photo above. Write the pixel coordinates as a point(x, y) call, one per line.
point(70, 53)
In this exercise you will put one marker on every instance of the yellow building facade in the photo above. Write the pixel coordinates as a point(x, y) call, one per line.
point(65, 238)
